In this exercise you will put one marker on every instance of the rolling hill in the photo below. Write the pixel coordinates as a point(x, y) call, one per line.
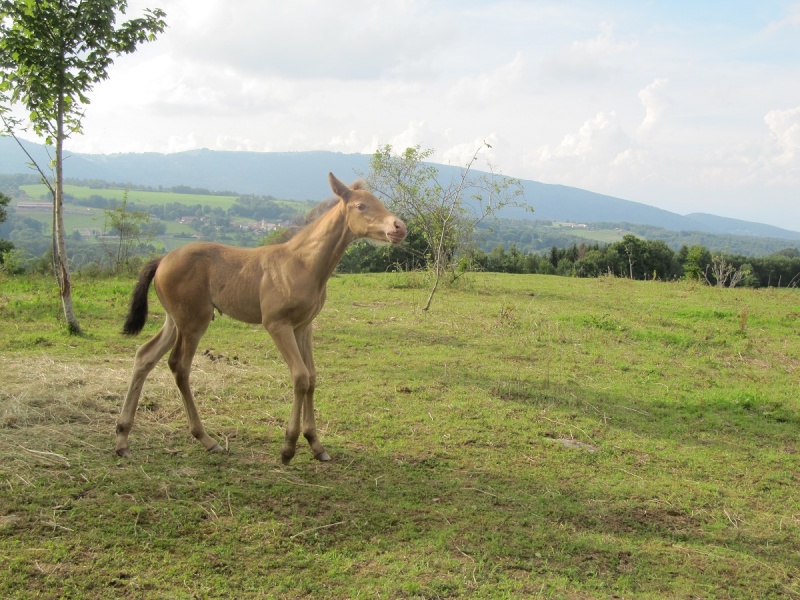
point(303, 176)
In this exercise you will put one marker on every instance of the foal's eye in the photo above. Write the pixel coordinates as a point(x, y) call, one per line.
point(361, 207)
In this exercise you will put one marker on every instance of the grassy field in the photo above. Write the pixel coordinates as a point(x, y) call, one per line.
point(530, 436)
point(88, 220)
point(85, 218)
point(604, 236)
point(79, 218)
point(37, 191)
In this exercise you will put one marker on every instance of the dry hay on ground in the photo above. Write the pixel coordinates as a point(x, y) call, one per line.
point(46, 401)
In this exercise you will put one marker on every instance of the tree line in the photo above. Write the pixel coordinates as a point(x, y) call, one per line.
point(630, 258)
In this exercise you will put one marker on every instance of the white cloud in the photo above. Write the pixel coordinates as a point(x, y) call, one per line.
point(655, 105)
point(784, 127)
point(482, 149)
point(239, 144)
point(596, 155)
point(342, 39)
point(593, 137)
point(589, 59)
point(770, 160)
point(483, 89)
point(789, 20)
point(339, 141)
point(414, 134)
point(182, 143)
point(604, 44)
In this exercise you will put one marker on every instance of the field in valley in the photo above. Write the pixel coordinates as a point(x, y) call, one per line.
point(39, 192)
point(529, 436)
point(91, 220)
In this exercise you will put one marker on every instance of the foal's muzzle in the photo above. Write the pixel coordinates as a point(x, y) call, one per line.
point(397, 232)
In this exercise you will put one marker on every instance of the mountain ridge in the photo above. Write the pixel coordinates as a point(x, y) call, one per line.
point(303, 176)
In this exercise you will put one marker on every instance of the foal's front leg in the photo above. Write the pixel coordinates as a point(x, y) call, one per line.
point(302, 381)
point(304, 342)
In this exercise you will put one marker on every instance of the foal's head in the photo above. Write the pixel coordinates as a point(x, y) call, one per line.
point(366, 216)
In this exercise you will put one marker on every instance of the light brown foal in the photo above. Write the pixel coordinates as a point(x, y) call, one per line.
point(281, 286)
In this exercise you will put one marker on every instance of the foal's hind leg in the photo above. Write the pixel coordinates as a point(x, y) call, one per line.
point(180, 362)
point(146, 358)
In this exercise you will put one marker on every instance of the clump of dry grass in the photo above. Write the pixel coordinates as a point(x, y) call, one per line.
point(51, 400)
point(43, 391)
point(60, 407)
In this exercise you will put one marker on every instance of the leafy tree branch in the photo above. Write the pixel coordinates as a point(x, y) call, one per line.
point(441, 211)
point(52, 53)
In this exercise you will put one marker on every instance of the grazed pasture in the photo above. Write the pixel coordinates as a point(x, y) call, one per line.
point(530, 436)
point(142, 197)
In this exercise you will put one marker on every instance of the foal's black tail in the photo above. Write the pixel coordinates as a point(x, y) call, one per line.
point(137, 315)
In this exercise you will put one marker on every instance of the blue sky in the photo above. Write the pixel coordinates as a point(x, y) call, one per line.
point(688, 106)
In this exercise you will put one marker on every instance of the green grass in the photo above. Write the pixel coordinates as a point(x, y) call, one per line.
point(604, 236)
point(37, 191)
point(75, 218)
point(530, 436)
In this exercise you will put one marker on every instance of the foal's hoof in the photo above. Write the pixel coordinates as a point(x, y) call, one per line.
point(123, 452)
point(216, 448)
point(323, 456)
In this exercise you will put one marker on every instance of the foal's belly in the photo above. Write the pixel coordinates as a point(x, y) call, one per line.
point(242, 307)
point(297, 311)
point(246, 316)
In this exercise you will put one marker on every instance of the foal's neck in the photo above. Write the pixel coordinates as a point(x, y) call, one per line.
point(322, 244)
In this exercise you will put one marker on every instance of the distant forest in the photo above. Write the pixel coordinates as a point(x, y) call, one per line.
point(632, 257)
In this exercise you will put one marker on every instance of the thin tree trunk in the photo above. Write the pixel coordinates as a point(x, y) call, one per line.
point(53, 238)
point(437, 261)
point(433, 289)
point(60, 246)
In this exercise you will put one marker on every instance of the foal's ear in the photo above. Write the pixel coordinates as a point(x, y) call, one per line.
point(339, 188)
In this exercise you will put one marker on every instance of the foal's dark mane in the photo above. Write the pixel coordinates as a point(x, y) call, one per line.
point(311, 216)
